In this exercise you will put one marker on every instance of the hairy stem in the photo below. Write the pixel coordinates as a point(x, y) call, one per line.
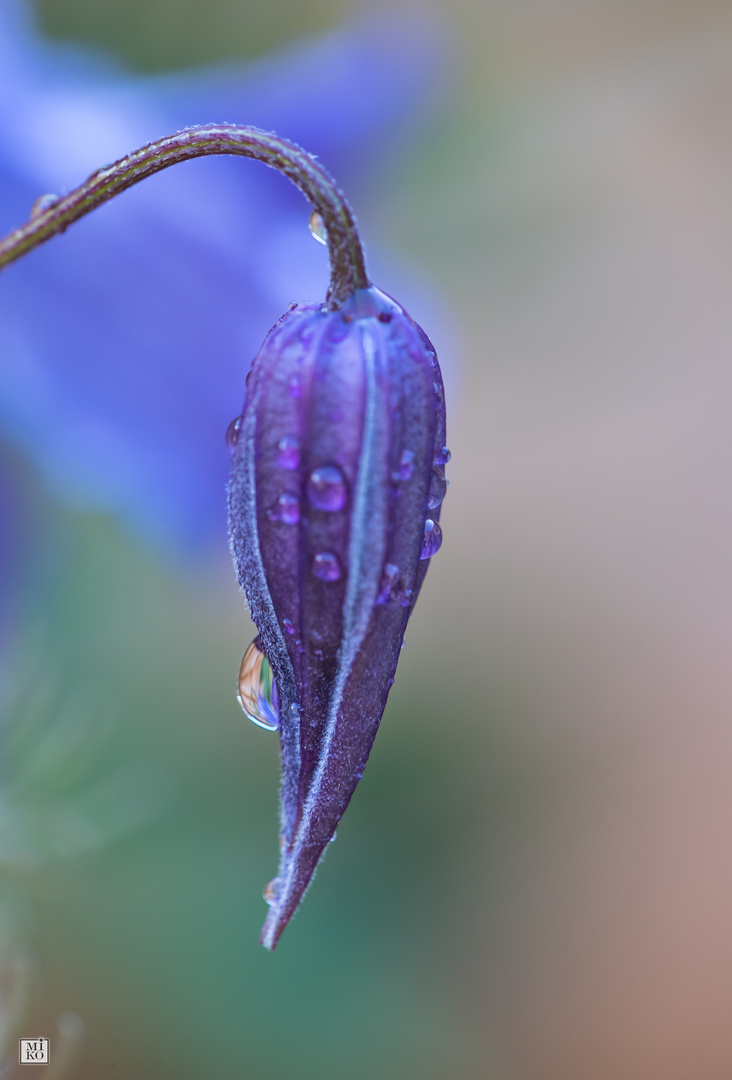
point(347, 269)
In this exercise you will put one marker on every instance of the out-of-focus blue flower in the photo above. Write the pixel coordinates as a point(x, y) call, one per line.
point(123, 343)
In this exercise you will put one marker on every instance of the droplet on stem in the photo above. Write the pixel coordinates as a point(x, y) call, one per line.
point(44, 202)
point(317, 228)
point(271, 889)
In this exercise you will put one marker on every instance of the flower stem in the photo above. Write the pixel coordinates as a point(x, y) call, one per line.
point(347, 269)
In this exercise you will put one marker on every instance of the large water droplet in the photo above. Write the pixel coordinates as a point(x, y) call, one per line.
point(271, 890)
point(232, 433)
point(438, 487)
point(317, 227)
point(288, 452)
point(443, 456)
point(326, 566)
point(327, 488)
point(257, 688)
point(294, 712)
point(431, 540)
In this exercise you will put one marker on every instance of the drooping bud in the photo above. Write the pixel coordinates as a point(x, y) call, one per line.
point(334, 501)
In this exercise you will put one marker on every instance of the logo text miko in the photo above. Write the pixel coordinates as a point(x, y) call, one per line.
point(33, 1052)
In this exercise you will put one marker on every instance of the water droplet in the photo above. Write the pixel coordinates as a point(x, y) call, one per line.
point(45, 202)
point(438, 391)
point(431, 540)
point(271, 890)
point(391, 587)
point(438, 487)
point(326, 566)
point(295, 386)
point(288, 627)
point(443, 457)
point(232, 433)
point(406, 467)
point(327, 488)
point(388, 582)
point(257, 688)
point(294, 711)
point(287, 509)
point(317, 227)
point(333, 837)
point(288, 452)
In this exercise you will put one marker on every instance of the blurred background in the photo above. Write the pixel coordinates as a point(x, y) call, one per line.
point(534, 878)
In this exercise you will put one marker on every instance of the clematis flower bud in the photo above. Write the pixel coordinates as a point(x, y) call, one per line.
point(334, 498)
point(334, 502)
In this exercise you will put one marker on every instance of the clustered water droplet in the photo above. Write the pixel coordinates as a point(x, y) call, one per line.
point(288, 453)
point(432, 539)
point(326, 566)
point(438, 488)
point(232, 433)
point(326, 488)
point(391, 587)
point(317, 227)
point(257, 688)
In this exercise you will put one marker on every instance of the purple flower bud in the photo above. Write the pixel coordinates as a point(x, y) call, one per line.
point(355, 454)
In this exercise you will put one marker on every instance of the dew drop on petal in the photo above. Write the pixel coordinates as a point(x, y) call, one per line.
point(271, 890)
point(287, 626)
point(326, 566)
point(431, 540)
point(317, 227)
point(438, 487)
point(232, 433)
point(288, 452)
point(327, 488)
point(443, 457)
point(257, 688)
point(294, 711)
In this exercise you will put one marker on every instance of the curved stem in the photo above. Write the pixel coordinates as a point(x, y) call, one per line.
point(347, 269)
